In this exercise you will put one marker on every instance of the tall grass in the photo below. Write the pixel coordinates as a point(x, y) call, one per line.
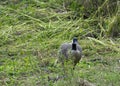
point(32, 31)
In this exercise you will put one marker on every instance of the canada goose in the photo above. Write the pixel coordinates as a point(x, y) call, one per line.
point(71, 51)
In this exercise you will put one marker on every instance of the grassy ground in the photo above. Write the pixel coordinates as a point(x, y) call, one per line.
point(30, 35)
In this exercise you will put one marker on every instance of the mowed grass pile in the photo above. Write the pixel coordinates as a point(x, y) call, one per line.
point(31, 33)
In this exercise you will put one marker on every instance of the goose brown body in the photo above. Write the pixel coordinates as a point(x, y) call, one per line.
point(68, 51)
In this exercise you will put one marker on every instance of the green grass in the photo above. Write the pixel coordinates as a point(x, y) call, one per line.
point(31, 33)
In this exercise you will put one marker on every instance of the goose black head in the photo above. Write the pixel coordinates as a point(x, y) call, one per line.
point(74, 44)
point(75, 40)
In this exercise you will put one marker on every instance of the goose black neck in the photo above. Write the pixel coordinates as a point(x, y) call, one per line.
point(74, 46)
